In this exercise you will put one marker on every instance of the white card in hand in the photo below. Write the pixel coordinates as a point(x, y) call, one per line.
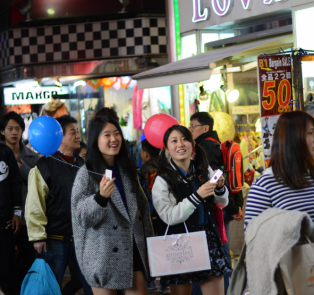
point(216, 176)
point(108, 173)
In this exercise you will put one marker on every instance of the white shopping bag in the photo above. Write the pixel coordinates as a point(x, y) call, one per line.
point(177, 254)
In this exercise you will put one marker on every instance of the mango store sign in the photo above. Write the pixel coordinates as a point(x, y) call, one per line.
point(222, 7)
point(31, 95)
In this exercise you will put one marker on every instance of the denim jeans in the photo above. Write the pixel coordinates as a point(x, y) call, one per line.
point(58, 254)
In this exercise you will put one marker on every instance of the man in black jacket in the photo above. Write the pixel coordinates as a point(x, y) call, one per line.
point(10, 212)
point(48, 202)
point(201, 126)
point(12, 127)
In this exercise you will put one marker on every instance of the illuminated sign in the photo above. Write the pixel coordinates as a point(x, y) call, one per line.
point(272, 1)
point(275, 88)
point(222, 7)
point(247, 4)
point(197, 15)
point(31, 95)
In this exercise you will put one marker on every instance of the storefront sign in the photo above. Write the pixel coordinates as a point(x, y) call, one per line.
point(246, 110)
point(275, 88)
point(31, 95)
point(222, 7)
point(197, 15)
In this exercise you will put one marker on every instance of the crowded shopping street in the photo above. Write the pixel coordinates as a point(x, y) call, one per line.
point(156, 147)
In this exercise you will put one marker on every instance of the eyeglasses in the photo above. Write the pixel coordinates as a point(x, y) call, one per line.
point(193, 126)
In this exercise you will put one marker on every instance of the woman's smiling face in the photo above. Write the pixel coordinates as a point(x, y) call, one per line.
point(109, 141)
point(178, 146)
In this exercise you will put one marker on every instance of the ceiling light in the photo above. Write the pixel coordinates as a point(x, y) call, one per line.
point(26, 9)
point(58, 83)
point(51, 11)
point(79, 83)
point(224, 88)
point(233, 95)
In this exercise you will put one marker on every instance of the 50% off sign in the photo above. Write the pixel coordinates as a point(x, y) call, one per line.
point(275, 89)
point(275, 84)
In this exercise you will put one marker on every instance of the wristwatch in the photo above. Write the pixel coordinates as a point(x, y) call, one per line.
point(18, 213)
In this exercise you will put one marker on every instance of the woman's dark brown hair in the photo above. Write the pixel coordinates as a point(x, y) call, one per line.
point(291, 161)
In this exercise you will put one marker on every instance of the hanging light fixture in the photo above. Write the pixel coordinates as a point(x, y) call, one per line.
point(232, 94)
point(58, 83)
point(204, 95)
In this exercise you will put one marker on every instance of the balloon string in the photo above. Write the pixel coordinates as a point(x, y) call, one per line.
point(75, 166)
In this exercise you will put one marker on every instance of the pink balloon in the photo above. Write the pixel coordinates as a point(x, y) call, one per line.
point(156, 127)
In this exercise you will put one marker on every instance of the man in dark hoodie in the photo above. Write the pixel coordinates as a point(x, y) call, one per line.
point(201, 127)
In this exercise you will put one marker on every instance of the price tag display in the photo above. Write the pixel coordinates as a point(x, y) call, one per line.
point(275, 89)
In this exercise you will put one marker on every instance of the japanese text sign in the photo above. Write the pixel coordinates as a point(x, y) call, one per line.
point(275, 88)
point(275, 84)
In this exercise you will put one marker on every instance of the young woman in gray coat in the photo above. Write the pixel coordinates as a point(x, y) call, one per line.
point(111, 218)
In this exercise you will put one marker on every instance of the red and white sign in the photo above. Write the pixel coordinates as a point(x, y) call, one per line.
point(275, 88)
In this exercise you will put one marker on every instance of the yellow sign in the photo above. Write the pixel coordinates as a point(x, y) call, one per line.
point(245, 110)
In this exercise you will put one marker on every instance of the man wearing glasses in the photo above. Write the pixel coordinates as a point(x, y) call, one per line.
point(201, 127)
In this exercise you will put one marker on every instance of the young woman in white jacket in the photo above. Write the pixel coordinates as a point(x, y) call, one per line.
point(182, 193)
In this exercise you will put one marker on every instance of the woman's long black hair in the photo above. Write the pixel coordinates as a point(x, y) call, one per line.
point(94, 160)
point(171, 176)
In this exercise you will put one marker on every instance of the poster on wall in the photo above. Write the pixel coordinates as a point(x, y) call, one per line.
point(275, 89)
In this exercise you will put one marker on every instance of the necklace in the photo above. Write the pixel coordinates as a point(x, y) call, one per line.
point(190, 177)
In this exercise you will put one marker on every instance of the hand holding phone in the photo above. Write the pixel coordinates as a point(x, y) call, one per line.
point(216, 176)
point(108, 173)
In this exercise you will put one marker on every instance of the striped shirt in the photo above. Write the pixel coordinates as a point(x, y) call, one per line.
point(266, 192)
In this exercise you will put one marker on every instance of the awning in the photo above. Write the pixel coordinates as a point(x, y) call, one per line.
point(199, 68)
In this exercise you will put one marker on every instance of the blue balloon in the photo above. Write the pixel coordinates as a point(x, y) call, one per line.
point(45, 135)
point(142, 137)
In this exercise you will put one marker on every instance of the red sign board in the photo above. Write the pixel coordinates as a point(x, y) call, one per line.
point(275, 87)
point(275, 81)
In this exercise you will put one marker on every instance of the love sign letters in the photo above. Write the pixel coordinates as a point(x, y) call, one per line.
point(222, 7)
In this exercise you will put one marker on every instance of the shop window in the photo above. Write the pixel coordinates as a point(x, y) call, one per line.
point(303, 41)
point(226, 35)
point(214, 100)
point(302, 18)
point(208, 37)
point(188, 46)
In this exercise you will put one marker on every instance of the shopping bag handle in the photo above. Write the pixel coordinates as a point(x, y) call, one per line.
point(186, 229)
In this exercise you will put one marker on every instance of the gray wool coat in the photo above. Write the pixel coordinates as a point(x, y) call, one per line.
point(103, 236)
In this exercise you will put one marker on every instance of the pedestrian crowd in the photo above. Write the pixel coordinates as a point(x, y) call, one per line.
point(64, 209)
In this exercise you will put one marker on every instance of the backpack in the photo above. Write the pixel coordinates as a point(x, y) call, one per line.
point(146, 190)
point(40, 280)
point(151, 182)
point(233, 164)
